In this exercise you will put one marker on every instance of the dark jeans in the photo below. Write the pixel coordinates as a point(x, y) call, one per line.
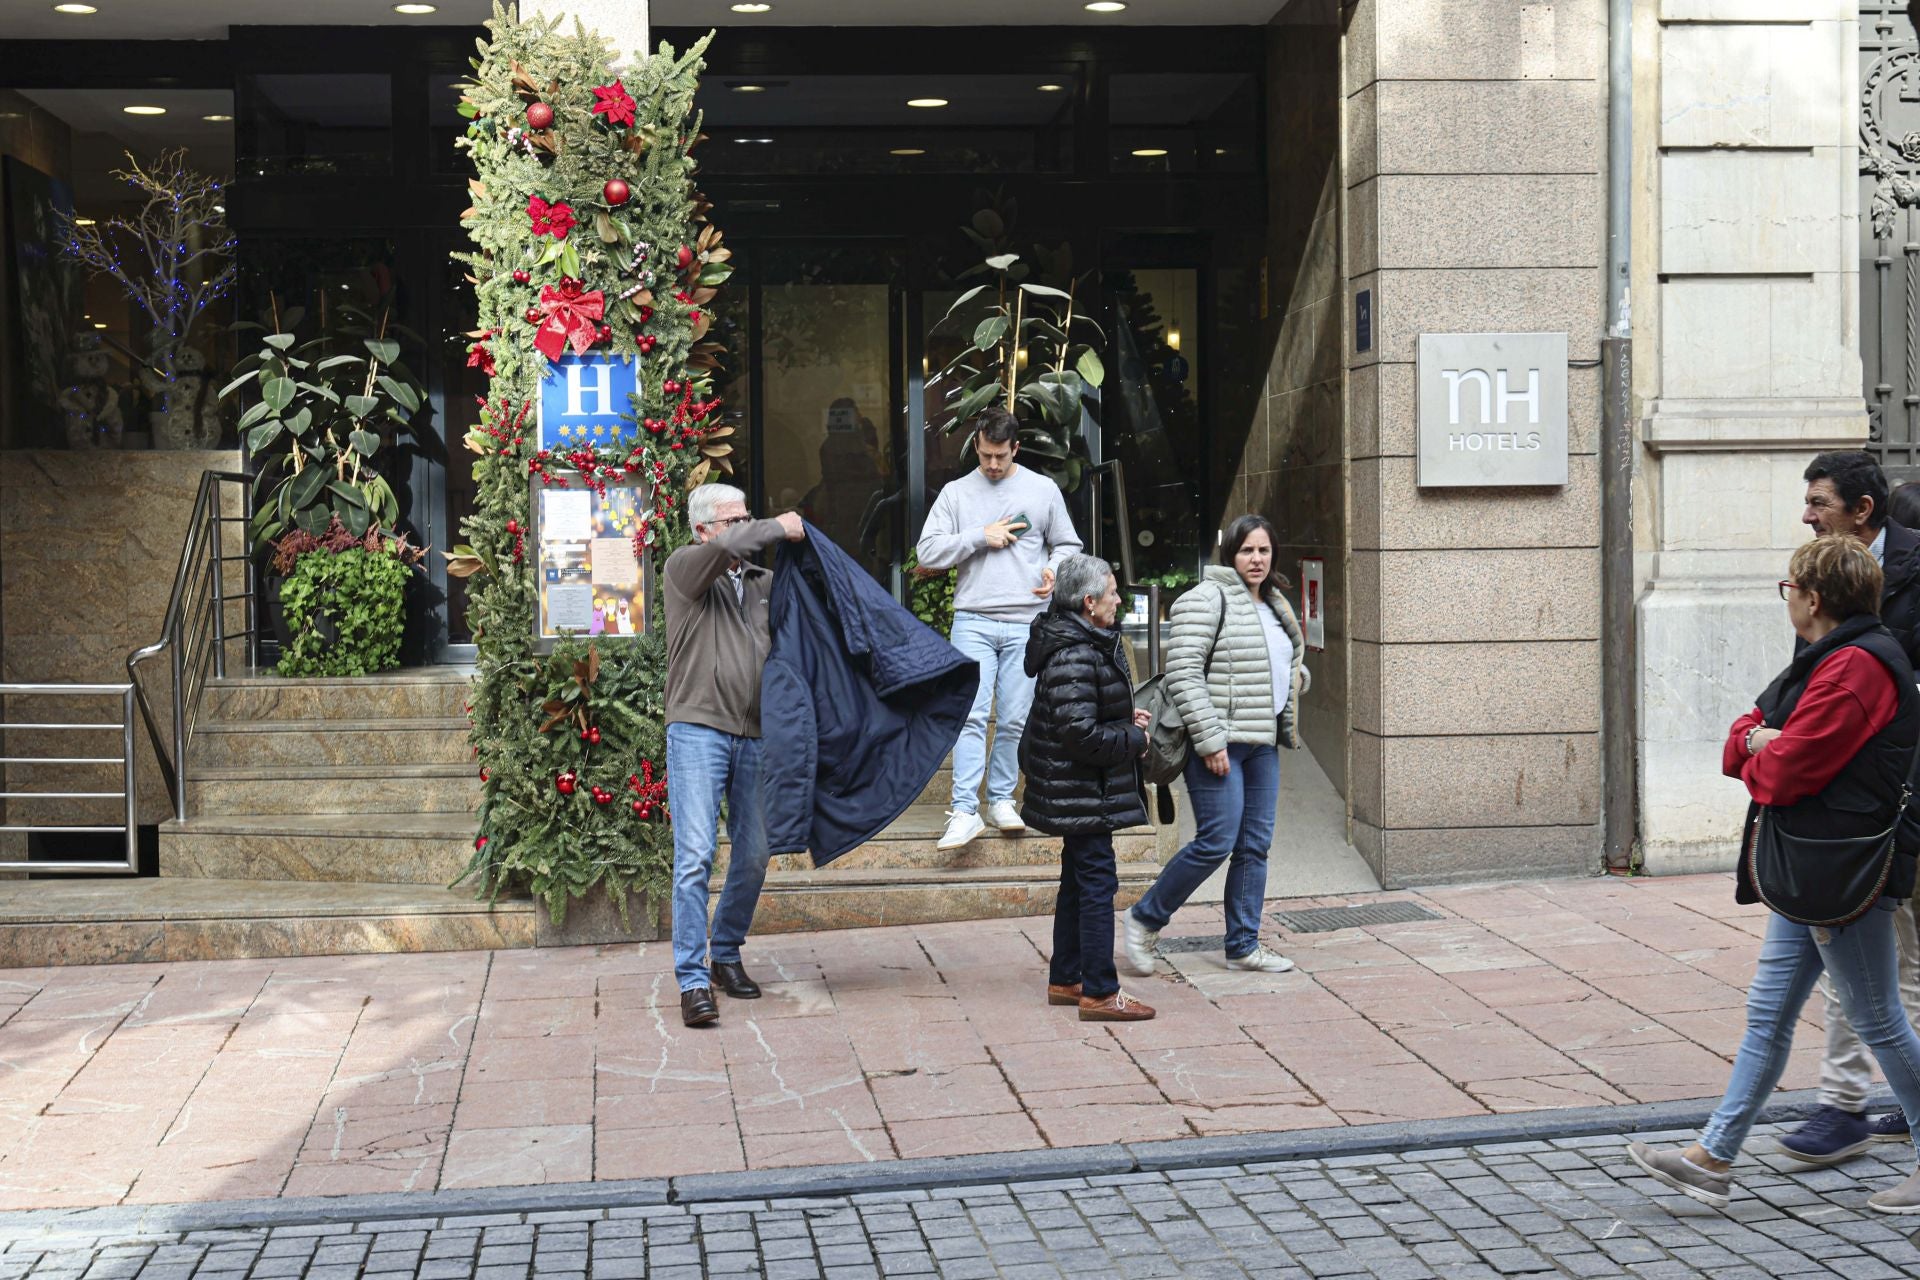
point(1232, 818)
point(1083, 917)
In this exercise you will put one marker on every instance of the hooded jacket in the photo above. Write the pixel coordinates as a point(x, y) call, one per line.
point(860, 702)
point(1224, 690)
point(1081, 750)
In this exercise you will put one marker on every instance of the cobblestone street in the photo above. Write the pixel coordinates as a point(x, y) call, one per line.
point(1571, 1207)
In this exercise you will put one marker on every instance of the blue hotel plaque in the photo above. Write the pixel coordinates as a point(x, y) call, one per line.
point(587, 400)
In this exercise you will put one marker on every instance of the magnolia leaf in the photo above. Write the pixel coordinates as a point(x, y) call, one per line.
point(725, 464)
point(603, 224)
point(701, 325)
point(463, 566)
point(716, 450)
point(698, 476)
point(478, 188)
point(720, 433)
point(479, 442)
point(1091, 370)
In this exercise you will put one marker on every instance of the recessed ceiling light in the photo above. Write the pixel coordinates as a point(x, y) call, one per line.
point(99, 324)
point(145, 111)
point(1052, 88)
point(1150, 152)
point(907, 151)
point(748, 88)
point(74, 8)
point(216, 118)
point(1105, 6)
point(83, 222)
point(412, 9)
point(753, 139)
point(751, 8)
point(926, 102)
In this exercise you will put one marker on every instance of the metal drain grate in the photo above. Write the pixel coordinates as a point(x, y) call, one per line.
point(1327, 919)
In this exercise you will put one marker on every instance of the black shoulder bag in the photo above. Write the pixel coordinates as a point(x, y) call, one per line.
point(1828, 882)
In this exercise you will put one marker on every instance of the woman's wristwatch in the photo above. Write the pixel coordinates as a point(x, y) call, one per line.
point(1748, 742)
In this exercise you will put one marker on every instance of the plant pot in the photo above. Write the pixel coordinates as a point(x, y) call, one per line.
point(324, 630)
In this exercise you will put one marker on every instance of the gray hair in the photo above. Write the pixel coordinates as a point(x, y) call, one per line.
point(704, 501)
point(1078, 577)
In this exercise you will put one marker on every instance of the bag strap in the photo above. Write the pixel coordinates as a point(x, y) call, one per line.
point(1219, 628)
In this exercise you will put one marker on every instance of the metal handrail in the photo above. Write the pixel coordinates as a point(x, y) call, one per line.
point(130, 861)
point(191, 640)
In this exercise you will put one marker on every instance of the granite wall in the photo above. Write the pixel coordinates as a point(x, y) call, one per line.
point(89, 544)
point(1475, 202)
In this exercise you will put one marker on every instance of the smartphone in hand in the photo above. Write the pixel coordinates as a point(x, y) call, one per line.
point(1020, 524)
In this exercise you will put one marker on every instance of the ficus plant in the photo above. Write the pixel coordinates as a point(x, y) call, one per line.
point(1026, 355)
point(326, 407)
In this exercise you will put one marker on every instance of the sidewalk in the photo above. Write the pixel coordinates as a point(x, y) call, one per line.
point(354, 1075)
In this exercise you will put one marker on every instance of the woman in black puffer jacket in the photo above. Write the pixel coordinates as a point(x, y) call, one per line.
point(1081, 754)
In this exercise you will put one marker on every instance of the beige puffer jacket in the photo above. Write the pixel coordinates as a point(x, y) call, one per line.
point(1230, 700)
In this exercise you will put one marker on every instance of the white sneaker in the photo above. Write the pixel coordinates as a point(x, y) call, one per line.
point(1141, 945)
point(1005, 816)
point(962, 830)
point(1261, 959)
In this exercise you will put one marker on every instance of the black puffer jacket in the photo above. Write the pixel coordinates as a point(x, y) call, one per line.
point(1081, 751)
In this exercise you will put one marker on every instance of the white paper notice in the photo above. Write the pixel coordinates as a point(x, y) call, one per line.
point(569, 607)
point(566, 515)
point(613, 562)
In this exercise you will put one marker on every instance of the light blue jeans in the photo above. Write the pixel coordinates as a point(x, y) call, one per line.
point(1863, 964)
point(703, 765)
point(1006, 691)
point(1232, 818)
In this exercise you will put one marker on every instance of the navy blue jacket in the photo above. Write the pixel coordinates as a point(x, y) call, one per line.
point(859, 704)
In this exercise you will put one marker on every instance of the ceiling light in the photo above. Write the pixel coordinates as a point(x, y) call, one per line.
point(926, 102)
point(1105, 6)
point(748, 88)
point(74, 8)
point(413, 9)
point(751, 8)
point(99, 324)
point(83, 222)
point(1148, 153)
point(753, 139)
point(907, 151)
point(1173, 337)
point(216, 118)
point(1052, 88)
point(145, 111)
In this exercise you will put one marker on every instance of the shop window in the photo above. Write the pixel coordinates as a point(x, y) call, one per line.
point(317, 125)
point(1151, 416)
point(1172, 122)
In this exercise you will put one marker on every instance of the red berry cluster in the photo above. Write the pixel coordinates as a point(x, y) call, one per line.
point(650, 793)
point(519, 541)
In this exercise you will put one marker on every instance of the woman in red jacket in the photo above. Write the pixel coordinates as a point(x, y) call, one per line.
point(1828, 750)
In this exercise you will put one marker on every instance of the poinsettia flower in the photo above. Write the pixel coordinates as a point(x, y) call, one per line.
point(538, 213)
point(613, 102)
point(560, 220)
point(478, 357)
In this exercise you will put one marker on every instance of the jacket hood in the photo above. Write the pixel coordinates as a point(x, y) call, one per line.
point(1053, 631)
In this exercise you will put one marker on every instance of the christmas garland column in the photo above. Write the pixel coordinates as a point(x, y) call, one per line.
point(589, 237)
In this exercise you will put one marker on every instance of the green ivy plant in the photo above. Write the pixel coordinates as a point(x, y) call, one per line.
point(360, 597)
point(1051, 390)
point(326, 407)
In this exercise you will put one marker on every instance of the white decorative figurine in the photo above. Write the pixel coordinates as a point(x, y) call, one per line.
point(88, 405)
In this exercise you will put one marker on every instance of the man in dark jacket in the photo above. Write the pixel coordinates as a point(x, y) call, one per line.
point(1847, 493)
point(1081, 753)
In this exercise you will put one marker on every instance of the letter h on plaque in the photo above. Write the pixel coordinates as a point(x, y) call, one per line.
point(586, 400)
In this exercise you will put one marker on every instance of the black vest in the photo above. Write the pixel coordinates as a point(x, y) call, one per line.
point(1864, 796)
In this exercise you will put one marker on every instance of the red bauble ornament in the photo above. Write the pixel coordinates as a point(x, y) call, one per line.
point(670, 387)
point(639, 807)
point(647, 343)
point(683, 257)
point(540, 116)
point(513, 526)
point(593, 735)
point(533, 315)
point(565, 782)
point(602, 797)
point(616, 192)
point(479, 842)
point(521, 277)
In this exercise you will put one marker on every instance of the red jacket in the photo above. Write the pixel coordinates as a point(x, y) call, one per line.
point(1849, 697)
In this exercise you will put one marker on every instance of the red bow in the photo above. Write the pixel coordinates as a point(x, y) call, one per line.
point(569, 316)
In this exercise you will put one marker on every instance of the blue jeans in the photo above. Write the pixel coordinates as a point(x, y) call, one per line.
point(1862, 962)
point(703, 765)
point(1232, 817)
point(1001, 650)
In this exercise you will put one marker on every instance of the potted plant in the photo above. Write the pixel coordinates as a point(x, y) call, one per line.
point(327, 408)
point(342, 600)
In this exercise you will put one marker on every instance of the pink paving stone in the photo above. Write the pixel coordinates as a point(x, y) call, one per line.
point(908, 1044)
point(397, 1084)
point(1218, 1075)
point(661, 1153)
point(1476, 1050)
point(1110, 1122)
point(1732, 965)
point(1540, 1093)
point(1354, 1042)
point(642, 1110)
point(1070, 1064)
point(376, 1133)
point(553, 1016)
point(1304, 1001)
point(749, 1038)
point(1678, 930)
point(1259, 1117)
point(1721, 1030)
point(548, 1058)
point(838, 1146)
point(520, 1157)
point(1658, 1072)
point(1185, 1019)
point(505, 1106)
point(1682, 992)
point(1454, 947)
point(1145, 1093)
point(943, 1094)
point(82, 1002)
point(313, 1030)
point(1480, 903)
point(1551, 927)
point(802, 1098)
point(372, 1177)
point(1505, 989)
point(308, 994)
point(1592, 1023)
point(975, 1135)
point(811, 998)
point(1407, 1091)
point(1609, 962)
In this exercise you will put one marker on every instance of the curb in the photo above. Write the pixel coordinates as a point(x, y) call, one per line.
point(936, 1173)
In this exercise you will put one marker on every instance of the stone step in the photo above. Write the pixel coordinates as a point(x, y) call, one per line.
point(438, 693)
point(127, 921)
point(347, 848)
point(837, 898)
point(333, 789)
point(239, 743)
point(912, 839)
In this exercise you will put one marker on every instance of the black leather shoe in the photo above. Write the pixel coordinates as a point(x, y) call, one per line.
point(697, 1008)
point(733, 979)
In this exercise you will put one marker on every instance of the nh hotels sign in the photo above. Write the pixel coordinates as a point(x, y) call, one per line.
point(1493, 409)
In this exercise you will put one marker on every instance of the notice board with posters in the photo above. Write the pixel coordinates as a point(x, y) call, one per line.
point(589, 581)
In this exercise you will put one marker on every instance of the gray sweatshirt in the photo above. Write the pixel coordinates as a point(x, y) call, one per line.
point(998, 583)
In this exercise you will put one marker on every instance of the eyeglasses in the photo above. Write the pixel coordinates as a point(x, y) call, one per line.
point(1783, 588)
point(728, 522)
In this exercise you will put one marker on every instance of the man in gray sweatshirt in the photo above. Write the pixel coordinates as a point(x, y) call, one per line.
point(1006, 529)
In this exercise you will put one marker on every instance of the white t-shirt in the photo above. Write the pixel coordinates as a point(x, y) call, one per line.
point(1279, 656)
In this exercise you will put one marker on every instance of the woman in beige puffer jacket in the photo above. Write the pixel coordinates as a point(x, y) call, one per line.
point(1235, 670)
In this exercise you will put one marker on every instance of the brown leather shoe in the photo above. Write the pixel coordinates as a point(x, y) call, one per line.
point(1063, 993)
point(1118, 1007)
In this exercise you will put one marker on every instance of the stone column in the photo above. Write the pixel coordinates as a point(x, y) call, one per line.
point(622, 21)
point(1476, 203)
point(1746, 309)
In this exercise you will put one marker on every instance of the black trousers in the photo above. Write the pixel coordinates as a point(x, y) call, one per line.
point(1083, 917)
